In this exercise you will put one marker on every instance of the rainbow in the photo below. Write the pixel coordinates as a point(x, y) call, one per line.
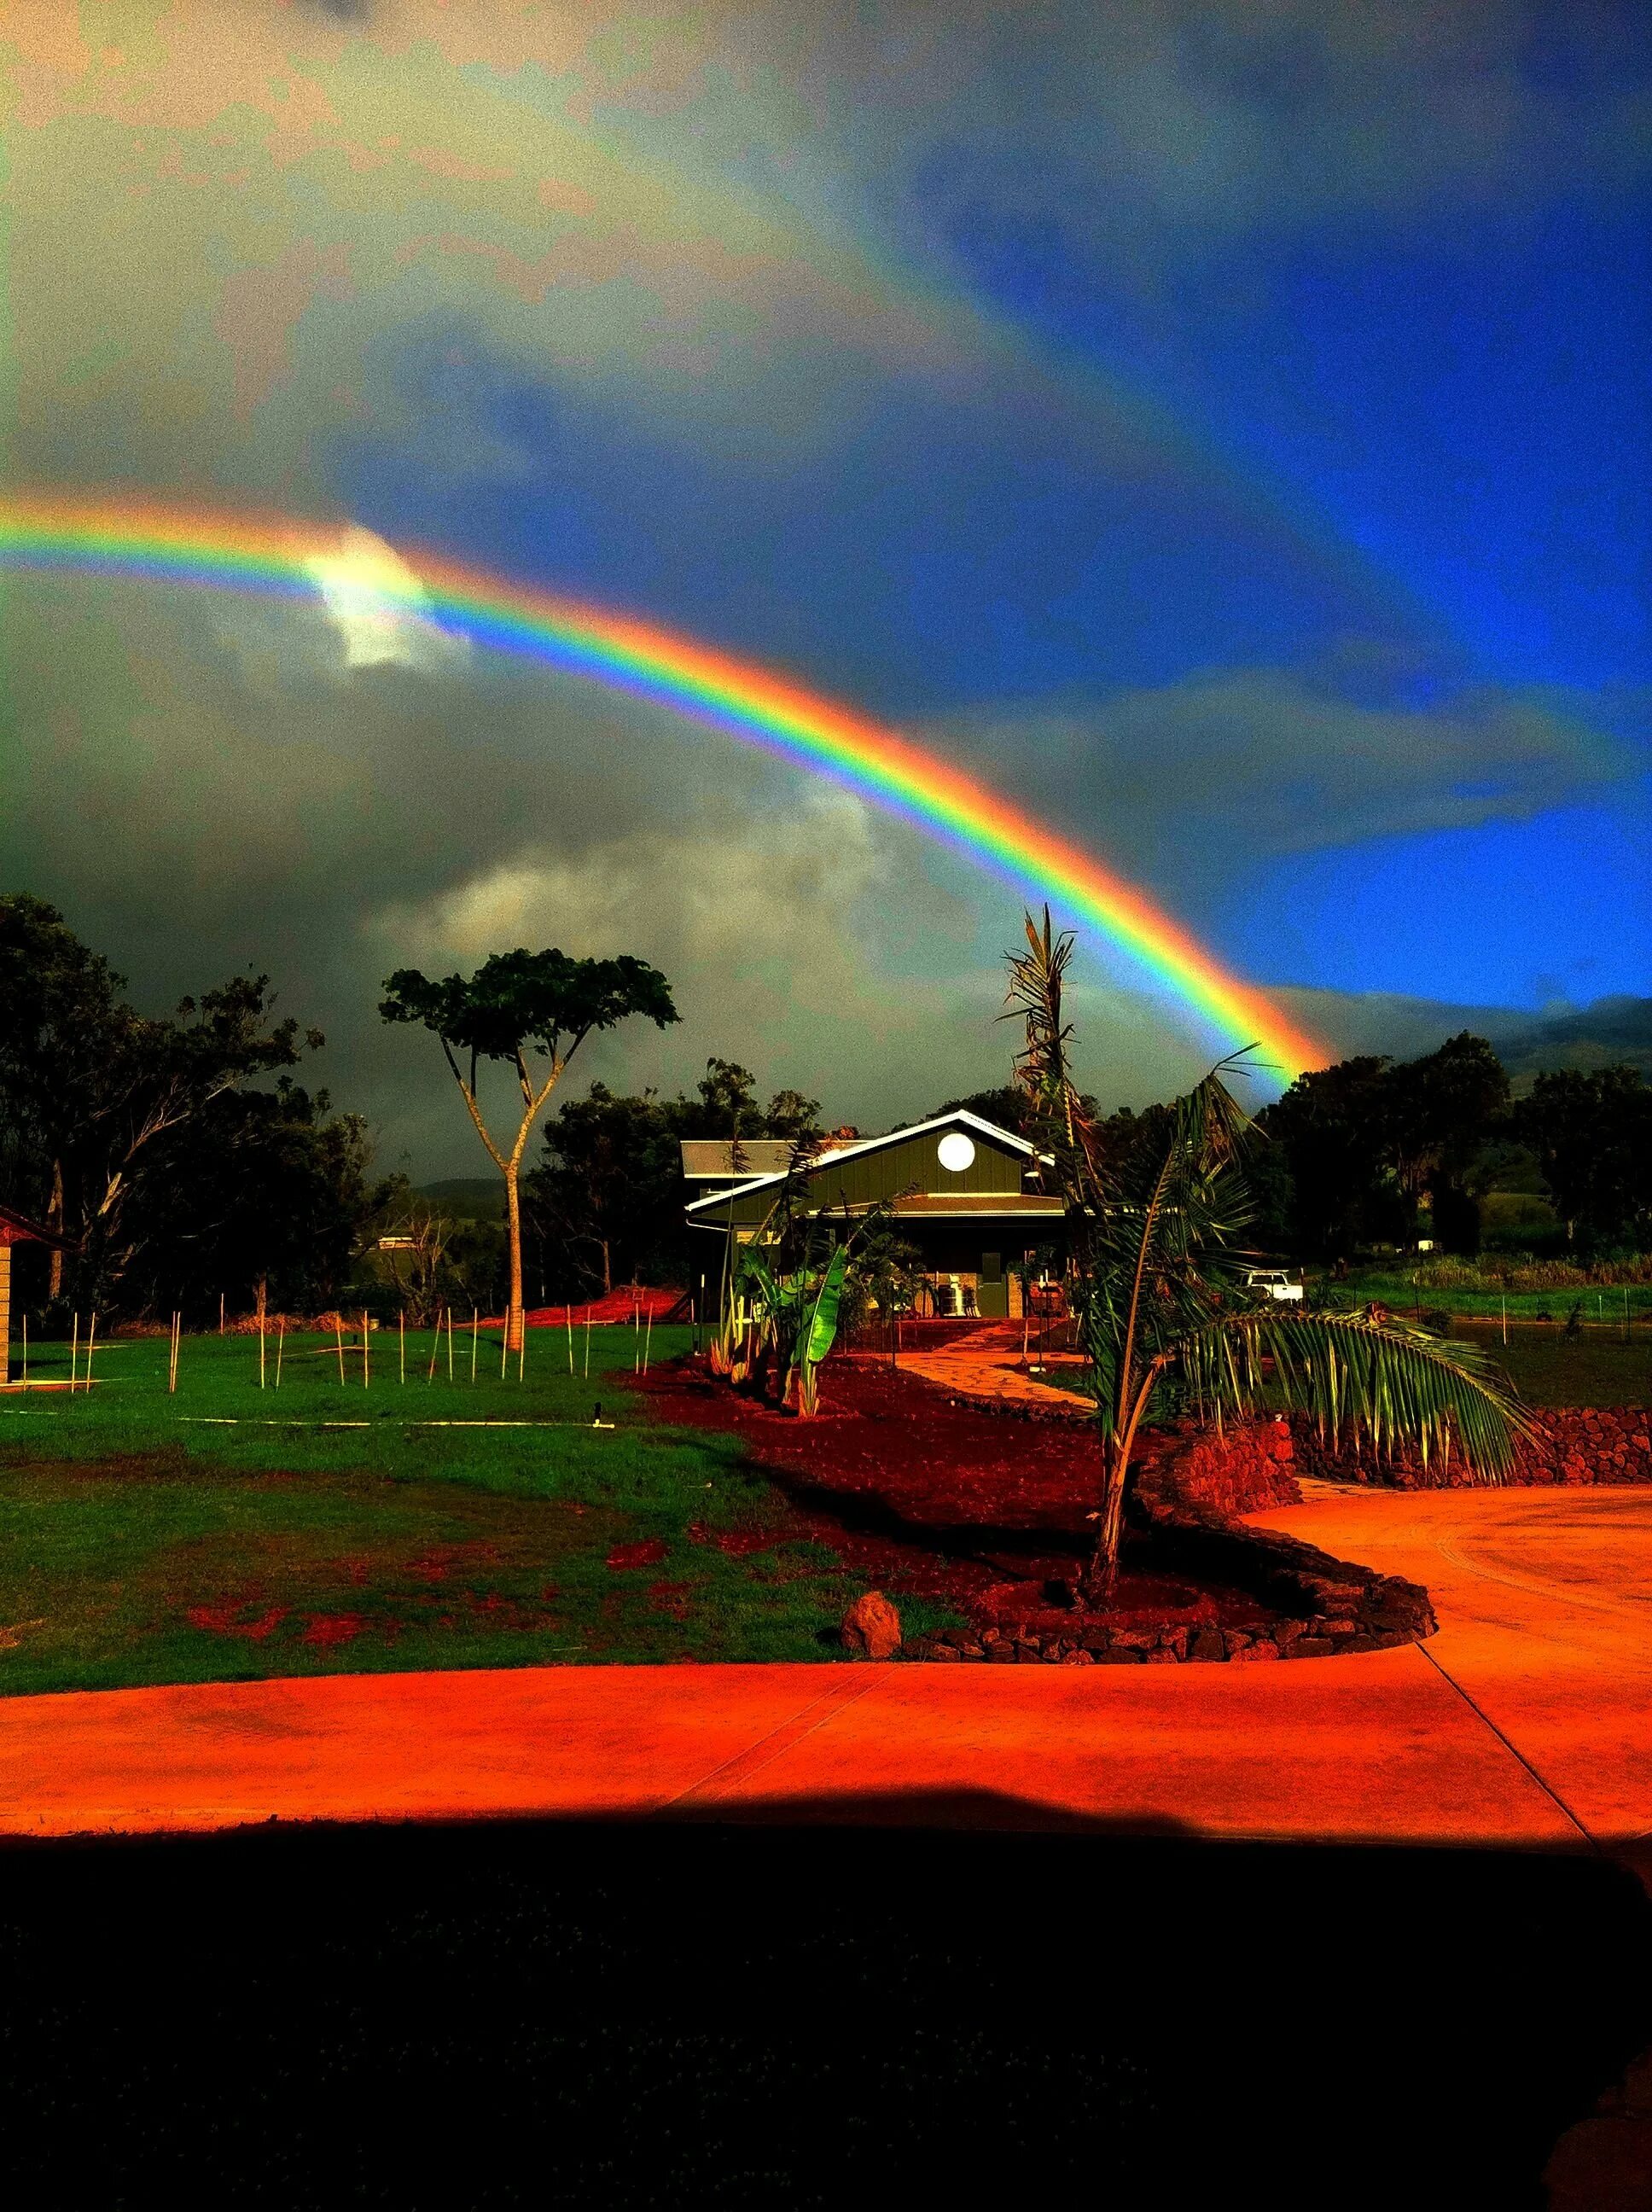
point(275, 556)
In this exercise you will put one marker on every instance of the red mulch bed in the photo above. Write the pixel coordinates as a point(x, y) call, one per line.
point(934, 1498)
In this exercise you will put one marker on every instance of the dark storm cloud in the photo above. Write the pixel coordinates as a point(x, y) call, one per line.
point(706, 321)
point(1195, 780)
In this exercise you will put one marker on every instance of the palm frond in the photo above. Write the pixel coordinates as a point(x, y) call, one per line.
point(1363, 1380)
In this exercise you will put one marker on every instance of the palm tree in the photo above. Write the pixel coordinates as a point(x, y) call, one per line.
point(1158, 1267)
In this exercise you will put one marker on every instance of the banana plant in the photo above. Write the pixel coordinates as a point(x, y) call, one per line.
point(817, 1330)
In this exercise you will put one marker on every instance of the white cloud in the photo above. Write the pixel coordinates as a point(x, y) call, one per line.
point(379, 609)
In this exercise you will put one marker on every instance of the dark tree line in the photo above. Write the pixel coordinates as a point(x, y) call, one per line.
point(143, 1142)
point(180, 1156)
point(605, 1205)
point(1357, 1149)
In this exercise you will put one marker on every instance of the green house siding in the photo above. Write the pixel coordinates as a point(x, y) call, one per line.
point(867, 1178)
point(981, 1244)
point(915, 1165)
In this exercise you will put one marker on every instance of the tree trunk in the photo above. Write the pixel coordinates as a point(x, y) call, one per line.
point(607, 1276)
point(1097, 1583)
point(54, 1220)
point(514, 1324)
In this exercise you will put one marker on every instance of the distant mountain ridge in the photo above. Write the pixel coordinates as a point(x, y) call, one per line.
point(1607, 1033)
point(1610, 1033)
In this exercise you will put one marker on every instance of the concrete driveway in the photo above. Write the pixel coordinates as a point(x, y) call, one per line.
point(1527, 1720)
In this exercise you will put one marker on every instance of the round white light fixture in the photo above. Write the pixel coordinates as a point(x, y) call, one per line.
point(956, 1152)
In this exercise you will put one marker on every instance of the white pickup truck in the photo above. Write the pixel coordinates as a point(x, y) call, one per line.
point(1275, 1283)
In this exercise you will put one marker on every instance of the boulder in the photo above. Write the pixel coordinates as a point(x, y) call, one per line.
point(871, 1626)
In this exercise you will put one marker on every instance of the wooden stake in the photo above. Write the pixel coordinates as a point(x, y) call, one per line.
point(430, 1375)
point(647, 1340)
point(172, 1353)
point(281, 1346)
point(92, 1332)
point(1505, 1317)
point(568, 1316)
point(504, 1346)
point(221, 1313)
point(261, 1347)
point(587, 1340)
point(339, 1338)
point(476, 1325)
point(522, 1354)
point(450, 1344)
point(25, 1348)
point(73, 1355)
point(401, 1326)
point(367, 1355)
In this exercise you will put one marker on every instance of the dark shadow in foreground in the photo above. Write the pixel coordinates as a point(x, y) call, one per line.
point(778, 2014)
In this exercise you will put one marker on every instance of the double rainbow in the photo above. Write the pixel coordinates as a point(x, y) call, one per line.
point(272, 556)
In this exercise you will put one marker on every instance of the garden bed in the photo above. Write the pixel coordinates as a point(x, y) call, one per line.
point(934, 1498)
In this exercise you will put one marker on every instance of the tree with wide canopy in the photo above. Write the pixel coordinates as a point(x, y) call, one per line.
point(518, 1005)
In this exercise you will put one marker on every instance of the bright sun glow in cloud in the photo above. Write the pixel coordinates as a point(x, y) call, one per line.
point(379, 607)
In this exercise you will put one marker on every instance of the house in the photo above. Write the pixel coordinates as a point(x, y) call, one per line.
point(961, 1191)
point(14, 1229)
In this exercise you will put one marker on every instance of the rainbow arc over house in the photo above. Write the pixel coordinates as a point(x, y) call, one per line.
point(279, 557)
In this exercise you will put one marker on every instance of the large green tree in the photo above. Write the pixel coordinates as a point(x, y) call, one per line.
point(1443, 1110)
point(533, 1010)
point(1360, 1145)
point(607, 1195)
point(96, 1097)
point(267, 1197)
point(1592, 1135)
point(606, 1200)
point(1334, 1127)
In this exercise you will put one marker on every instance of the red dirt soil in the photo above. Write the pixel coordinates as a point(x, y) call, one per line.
point(929, 1498)
point(613, 1307)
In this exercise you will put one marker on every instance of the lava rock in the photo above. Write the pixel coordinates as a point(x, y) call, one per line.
point(871, 1627)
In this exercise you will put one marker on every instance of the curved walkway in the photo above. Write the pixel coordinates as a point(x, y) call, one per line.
point(985, 1364)
point(1527, 1720)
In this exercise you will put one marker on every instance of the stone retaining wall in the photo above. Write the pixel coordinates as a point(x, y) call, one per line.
point(1576, 1444)
point(1187, 1490)
point(1246, 1467)
point(1192, 1484)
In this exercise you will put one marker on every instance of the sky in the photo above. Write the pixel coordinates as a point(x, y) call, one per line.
point(1222, 427)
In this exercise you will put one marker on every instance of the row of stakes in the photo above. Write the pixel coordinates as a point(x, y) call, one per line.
point(79, 1358)
point(444, 1327)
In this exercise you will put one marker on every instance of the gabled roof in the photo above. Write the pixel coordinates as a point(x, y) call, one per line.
point(17, 1229)
point(959, 1117)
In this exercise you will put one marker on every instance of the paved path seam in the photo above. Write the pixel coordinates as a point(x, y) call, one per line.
point(1513, 1749)
point(778, 1742)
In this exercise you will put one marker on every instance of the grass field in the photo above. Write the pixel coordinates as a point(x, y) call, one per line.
point(230, 1533)
point(1595, 1367)
point(1603, 1307)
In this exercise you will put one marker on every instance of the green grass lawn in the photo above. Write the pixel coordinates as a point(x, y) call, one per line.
point(230, 1533)
point(1595, 1367)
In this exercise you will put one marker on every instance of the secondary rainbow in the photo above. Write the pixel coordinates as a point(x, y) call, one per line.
point(272, 556)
